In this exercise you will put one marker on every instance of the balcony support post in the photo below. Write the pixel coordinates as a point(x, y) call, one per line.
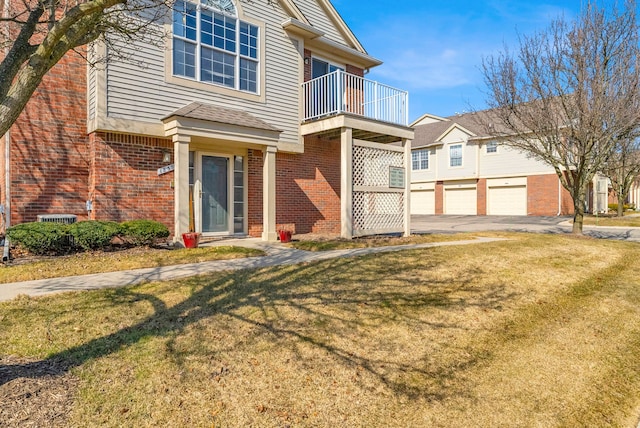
point(346, 183)
point(406, 145)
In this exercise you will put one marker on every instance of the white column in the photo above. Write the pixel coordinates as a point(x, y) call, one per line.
point(181, 185)
point(406, 144)
point(269, 195)
point(346, 183)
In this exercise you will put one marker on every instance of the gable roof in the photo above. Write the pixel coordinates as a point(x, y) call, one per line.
point(427, 118)
point(321, 25)
point(211, 113)
point(430, 134)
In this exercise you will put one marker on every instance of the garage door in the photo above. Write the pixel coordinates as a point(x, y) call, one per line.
point(423, 202)
point(460, 201)
point(510, 200)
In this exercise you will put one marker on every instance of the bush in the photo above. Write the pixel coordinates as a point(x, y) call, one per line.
point(143, 232)
point(93, 234)
point(626, 207)
point(41, 237)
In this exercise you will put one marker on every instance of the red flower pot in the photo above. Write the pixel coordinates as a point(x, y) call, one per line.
point(191, 239)
point(285, 236)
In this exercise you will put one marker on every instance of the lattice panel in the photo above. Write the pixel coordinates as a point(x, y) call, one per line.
point(371, 166)
point(377, 212)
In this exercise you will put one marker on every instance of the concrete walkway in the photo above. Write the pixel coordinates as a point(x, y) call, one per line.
point(277, 254)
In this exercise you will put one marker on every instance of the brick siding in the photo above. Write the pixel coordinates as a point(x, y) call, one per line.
point(542, 196)
point(124, 183)
point(49, 152)
point(481, 189)
point(307, 189)
point(439, 196)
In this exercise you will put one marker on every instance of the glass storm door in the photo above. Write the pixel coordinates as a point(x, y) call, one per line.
point(214, 194)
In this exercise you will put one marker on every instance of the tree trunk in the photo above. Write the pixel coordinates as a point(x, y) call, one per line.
point(578, 213)
point(621, 199)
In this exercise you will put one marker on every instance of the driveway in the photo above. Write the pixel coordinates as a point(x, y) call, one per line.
point(463, 223)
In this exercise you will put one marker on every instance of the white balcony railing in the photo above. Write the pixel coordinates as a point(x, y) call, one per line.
point(341, 92)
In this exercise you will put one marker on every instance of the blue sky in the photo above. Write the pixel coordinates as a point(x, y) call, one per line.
point(434, 49)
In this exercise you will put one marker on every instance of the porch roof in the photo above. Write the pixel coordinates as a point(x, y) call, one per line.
point(213, 113)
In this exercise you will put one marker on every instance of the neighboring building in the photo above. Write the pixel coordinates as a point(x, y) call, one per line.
point(254, 117)
point(458, 169)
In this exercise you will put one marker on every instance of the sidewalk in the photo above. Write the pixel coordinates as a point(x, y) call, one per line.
point(277, 255)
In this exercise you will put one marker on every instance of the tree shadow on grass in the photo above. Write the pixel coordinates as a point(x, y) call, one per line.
point(330, 290)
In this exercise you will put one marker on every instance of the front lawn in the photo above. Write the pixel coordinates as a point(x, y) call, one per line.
point(374, 241)
point(26, 269)
point(629, 220)
point(540, 330)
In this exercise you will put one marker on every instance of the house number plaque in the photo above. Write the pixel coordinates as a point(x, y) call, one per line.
point(396, 177)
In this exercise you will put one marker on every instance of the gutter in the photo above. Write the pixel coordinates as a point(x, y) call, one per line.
point(7, 195)
point(6, 212)
point(559, 198)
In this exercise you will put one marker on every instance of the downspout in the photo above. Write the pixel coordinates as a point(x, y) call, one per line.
point(7, 167)
point(559, 198)
point(7, 194)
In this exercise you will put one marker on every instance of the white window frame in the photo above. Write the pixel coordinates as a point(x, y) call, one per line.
point(451, 147)
point(493, 145)
point(236, 54)
point(420, 159)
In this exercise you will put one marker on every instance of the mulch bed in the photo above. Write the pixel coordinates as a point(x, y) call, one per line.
point(35, 393)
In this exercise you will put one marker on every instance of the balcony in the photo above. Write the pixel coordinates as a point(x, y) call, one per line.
point(343, 93)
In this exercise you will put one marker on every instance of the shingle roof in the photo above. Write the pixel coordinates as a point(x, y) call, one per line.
point(212, 113)
point(428, 134)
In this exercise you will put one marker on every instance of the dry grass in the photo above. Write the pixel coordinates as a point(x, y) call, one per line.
point(536, 331)
point(100, 261)
point(319, 244)
point(628, 220)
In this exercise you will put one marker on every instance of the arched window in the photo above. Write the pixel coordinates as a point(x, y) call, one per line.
point(211, 45)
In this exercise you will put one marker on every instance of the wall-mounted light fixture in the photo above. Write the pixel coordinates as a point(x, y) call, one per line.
point(307, 60)
point(166, 156)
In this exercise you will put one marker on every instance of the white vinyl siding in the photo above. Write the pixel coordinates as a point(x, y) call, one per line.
point(510, 162)
point(142, 94)
point(318, 18)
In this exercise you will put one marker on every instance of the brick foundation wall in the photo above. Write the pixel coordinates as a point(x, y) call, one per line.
point(481, 189)
point(124, 182)
point(254, 185)
point(542, 196)
point(439, 198)
point(307, 189)
point(49, 151)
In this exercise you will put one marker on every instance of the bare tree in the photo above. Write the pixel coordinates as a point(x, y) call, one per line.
point(623, 168)
point(36, 34)
point(569, 94)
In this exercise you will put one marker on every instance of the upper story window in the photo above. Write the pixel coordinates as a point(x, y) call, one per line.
point(420, 159)
point(211, 45)
point(492, 147)
point(455, 155)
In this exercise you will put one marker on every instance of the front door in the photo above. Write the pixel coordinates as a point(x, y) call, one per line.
point(214, 195)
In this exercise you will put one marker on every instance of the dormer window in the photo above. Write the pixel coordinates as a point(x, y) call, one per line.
point(211, 45)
